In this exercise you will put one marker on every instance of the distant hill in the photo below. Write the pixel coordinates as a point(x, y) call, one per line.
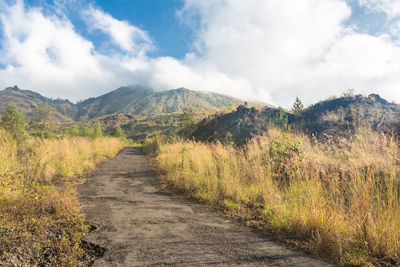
point(341, 116)
point(144, 102)
point(127, 100)
point(333, 117)
point(27, 101)
point(143, 112)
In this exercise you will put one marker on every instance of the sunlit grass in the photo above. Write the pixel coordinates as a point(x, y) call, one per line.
point(341, 199)
point(40, 217)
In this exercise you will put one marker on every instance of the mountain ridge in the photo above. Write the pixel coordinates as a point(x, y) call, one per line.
point(27, 100)
point(331, 118)
point(144, 102)
point(127, 99)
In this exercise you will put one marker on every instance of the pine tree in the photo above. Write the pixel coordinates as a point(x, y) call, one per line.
point(297, 105)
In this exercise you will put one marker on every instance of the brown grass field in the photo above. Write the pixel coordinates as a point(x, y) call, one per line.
point(41, 222)
point(339, 200)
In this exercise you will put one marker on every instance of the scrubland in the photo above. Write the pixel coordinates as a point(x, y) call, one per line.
point(339, 199)
point(41, 222)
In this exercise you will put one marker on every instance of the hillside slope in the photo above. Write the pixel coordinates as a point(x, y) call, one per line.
point(145, 102)
point(127, 100)
point(27, 101)
point(343, 115)
point(334, 117)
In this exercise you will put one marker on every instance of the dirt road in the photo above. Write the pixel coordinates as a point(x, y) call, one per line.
point(139, 225)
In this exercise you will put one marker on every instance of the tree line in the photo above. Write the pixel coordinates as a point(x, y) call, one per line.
point(42, 125)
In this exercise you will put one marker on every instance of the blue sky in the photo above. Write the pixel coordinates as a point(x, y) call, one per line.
point(268, 50)
point(157, 17)
point(366, 20)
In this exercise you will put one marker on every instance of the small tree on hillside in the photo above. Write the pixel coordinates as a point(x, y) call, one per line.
point(42, 121)
point(349, 92)
point(118, 132)
point(73, 130)
point(297, 106)
point(14, 122)
point(187, 117)
point(187, 121)
point(84, 130)
point(97, 132)
point(229, 140)
point(281, 119)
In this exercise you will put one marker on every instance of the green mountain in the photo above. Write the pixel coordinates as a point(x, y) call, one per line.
point(130, 100)
point(332, 118)
point(145, 102)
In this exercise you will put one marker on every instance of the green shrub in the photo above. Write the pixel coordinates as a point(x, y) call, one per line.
point(281, 120)
point(118, 132)
point(42, 122)
point(84, 130)
point(97, 132)
point(44, 134)
point(285, 157)
point(229, 140)
point(73, 130)
point(151, 147)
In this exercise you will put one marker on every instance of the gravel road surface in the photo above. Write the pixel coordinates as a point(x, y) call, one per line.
point(140, 225)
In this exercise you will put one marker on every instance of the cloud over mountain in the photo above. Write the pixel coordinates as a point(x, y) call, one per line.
point(287, 48)
point(259, 50)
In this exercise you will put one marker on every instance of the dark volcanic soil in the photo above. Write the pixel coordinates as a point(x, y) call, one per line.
point(140, 225)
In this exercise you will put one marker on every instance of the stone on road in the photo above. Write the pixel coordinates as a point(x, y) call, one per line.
point(140, 225)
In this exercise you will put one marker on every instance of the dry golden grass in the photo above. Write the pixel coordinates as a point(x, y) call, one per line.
point(341, 200)
point(40, 218)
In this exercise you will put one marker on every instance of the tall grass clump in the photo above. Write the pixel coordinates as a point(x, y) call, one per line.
point(339, 199)
point(41, 223)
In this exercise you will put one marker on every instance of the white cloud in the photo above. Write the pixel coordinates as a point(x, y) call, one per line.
point(269, 51)
point(167, 72)
point(123, 34)
point(290, 48)
point(40, 51)
point(46, 54)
